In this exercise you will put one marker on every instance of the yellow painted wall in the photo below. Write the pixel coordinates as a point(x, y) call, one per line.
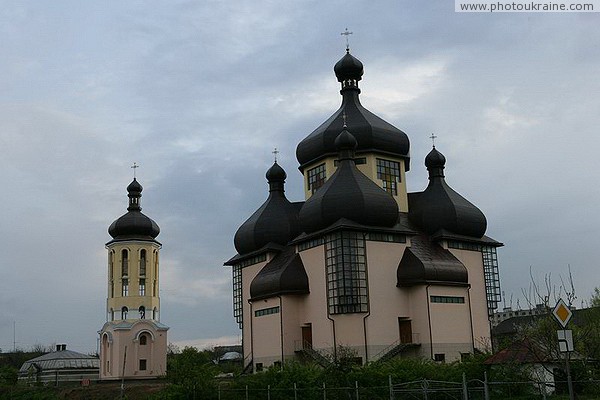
point(134, 300)
point(370, 170)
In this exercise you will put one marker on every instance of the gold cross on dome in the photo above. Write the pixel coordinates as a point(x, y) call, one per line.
point(275, 152)
point(347, 33)
point(134, 166)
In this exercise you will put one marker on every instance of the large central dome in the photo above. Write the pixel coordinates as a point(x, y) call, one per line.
point(372, 133)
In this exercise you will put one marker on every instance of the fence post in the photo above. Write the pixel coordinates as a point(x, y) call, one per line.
point(268, 392)
point(219, 391)
point(246, 392)
point(356, 386)
point(486, 391)
point(424, 385)
point(465, 388)
point(295, 392)
point(324, 392)
point(391, 387)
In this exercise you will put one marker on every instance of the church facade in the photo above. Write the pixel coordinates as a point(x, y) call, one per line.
point(361, 264)
point(133, 342)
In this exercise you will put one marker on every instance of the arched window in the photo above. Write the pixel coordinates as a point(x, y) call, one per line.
point(111, 263)
point(142, 262)
point(125, 287)
point(124, 311)
point(112, 314)
point(155, 314)
point(124, 263)
point(143, 339)
point(142, 311)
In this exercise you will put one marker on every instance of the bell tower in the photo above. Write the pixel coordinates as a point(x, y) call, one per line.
point(133, 342)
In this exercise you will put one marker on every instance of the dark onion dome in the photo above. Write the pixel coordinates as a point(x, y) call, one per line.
point(348, 194)
point(284, 274)
point(349, 67)
point(276, 221)
point(440, 207)
point(372, 133)
point(425, 262)
point(134, 224)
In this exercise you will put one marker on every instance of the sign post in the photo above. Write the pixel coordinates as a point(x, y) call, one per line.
point(563, 314)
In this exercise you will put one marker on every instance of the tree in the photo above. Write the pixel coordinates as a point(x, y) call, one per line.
point(595, 299)
point(192, 371)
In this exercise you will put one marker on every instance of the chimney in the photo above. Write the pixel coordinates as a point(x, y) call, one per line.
point(61, 347)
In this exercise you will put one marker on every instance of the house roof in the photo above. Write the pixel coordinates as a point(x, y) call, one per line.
point(521, 352)
point(63, 359)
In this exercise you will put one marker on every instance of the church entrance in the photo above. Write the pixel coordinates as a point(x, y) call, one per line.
point(405, 327)
point(307, 337)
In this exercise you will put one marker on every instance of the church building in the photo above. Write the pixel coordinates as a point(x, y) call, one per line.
point(133, 342)
point(362, 264)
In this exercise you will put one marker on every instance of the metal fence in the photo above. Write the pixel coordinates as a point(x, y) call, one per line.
point(417, 390)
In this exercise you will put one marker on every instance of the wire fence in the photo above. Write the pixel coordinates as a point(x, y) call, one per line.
point(417, 390)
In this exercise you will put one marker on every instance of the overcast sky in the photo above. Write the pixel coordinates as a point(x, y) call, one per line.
point(198, 93)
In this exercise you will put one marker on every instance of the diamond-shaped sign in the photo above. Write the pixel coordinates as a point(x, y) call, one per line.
point(562, 313)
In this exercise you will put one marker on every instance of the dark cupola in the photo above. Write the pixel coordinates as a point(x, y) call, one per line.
point(372, 133)
point(134, 224)
point(348, 194)
point(276, 221)
point(439, 207)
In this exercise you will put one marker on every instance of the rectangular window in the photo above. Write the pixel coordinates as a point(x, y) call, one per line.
point(142, 287)
point(447, 299)
point(266, 311)
point(142, 365)
point(440, 357)
point(112, 289)
point(389, 173)
point(386, 237)
point(492, 278)
point(316, 178)
point(455, 244)
point(237, 293)
point(309, 244)
point(259, 367)
point(346, 267)
point(125, 288)
point(357, 161)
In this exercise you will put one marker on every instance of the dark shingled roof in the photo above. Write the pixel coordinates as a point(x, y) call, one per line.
point(425, 262)
point(440, 207)
point(284, 274)
point(349, 194)
point(134, 225)
point(520, 352)
point(372, 133)
point(275, 221)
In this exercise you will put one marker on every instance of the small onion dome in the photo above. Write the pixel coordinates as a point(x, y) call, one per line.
point(275, 174)
point(349, 67)
point(348, 194)
point(435, 159)
point(440, 207)
point(275, 221)
point(373, 134)
point(134, 224)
